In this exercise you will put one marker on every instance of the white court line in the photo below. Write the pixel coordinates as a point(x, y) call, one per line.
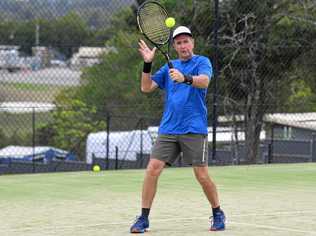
point(276, 213)
point(273, 227)
point(65, 227)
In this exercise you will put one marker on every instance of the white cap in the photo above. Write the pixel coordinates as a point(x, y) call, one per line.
point(181, 30)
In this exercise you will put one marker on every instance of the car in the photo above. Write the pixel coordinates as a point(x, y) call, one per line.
point(58, 63)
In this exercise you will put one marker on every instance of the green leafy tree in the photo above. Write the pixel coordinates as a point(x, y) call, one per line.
point(263, 51)
point(256, 64)
point(70, 126)
point(7, 32)
point(114, 85)
point(70, 32)
point(3, 138)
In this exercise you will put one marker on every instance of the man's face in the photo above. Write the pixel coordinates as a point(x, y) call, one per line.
point(184, 45)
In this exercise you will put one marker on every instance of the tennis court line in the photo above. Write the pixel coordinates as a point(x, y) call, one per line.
point(275, 213)
point(65, 227)
point(273, 227)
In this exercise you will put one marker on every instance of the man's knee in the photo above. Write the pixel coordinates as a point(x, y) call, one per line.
point(155, 167)
point(201, 175)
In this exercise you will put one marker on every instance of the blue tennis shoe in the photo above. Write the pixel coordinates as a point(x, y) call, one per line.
point(218, 221)
point(141, 225)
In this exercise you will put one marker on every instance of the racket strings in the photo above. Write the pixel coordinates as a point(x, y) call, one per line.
point(152, 23)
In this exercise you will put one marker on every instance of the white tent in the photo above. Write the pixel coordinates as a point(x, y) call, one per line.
point(129, 144)
point(26, 107)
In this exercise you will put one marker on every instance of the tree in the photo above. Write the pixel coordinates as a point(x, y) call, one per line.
point(70, 32)
point(256, 61)
point(70, 126)
point(263, 51)
point(301, 17)
point(113, 86)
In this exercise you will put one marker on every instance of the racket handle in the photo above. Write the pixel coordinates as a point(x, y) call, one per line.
point(170, 65)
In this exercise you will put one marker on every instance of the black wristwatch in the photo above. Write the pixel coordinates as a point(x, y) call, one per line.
point(188, 79)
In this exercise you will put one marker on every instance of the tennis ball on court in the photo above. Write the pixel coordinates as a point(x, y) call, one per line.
point(96, 168)
point(170, 22)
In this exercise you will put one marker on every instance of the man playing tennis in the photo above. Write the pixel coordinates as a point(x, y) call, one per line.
point(183, 128)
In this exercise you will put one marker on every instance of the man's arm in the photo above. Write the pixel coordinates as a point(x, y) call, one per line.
point(198, 81)
point(147, 84)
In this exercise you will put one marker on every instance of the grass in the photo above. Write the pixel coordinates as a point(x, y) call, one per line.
point(21, 123)
point(258, 200)
point(13, 92)
point(31, 87)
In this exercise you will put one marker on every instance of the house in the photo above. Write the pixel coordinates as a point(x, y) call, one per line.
point(286, 126)
point(10, 59)
point(292, 126)
point(89, 56)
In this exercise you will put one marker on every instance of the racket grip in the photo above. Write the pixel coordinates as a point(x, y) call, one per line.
point(170, 65)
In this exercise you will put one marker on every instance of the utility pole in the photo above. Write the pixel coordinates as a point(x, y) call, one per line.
point(37, 29)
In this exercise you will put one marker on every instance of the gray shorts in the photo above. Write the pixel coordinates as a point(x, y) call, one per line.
point(192, 147)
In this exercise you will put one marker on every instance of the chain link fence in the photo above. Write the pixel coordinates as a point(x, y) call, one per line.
point(69, 82)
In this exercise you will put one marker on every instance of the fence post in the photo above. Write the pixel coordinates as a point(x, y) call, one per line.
point(108, 120)
point(313, 147)
point(33, 139)
point(141, 143)
point(116, 157)
point(270, 145)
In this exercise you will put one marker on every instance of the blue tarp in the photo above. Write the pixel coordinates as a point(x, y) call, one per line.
point(38, 154)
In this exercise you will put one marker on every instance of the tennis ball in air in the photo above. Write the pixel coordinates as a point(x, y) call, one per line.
point(170, 22)
point(96, 168)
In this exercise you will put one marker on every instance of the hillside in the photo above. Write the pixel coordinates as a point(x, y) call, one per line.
point(50, 9)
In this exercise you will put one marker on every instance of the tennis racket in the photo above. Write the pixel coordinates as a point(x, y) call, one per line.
point(151, 18)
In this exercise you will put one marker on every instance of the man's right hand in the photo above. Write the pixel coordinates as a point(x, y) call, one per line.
point(147, 53)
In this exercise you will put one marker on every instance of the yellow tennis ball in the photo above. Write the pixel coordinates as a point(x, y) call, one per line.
point(96, 168)
point(170, 22)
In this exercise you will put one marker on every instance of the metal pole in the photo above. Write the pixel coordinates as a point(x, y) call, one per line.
point(215, 80)
point(108, 120)
point(33, 139)
point(141, 144)
point(270, 146)
point(116, 157)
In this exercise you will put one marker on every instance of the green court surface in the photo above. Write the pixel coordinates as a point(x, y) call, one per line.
point(258, 200)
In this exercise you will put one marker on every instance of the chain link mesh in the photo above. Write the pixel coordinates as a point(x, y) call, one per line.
point(69, 81)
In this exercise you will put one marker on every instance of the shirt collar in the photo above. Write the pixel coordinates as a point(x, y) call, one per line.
point(186, 61)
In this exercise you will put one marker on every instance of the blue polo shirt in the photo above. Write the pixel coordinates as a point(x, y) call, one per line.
point(185, 106)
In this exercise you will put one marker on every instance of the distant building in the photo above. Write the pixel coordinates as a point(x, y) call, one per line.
point(292, 126)
point(10, 59)
point(42, 55)
point(26, 107)
point(285, 126)
point(89, 56)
